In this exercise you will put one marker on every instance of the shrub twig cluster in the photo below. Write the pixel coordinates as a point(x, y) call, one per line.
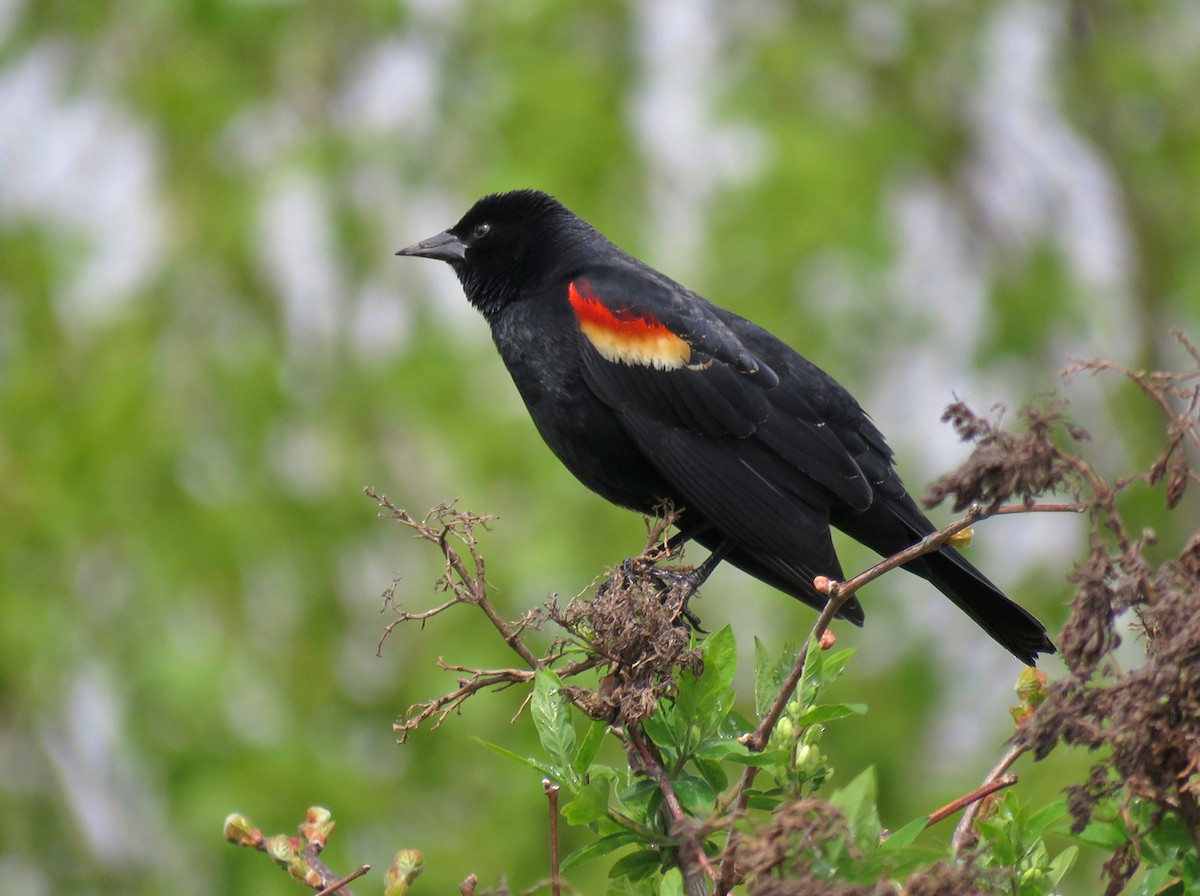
point(627, 660)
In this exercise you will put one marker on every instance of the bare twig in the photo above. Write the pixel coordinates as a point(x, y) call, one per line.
point(645, 758)
point(757, 740)
point(839, 593)
point(339, 886)
point(973, 797)
point(467, 582)
point(1035, 508)
point(934, 541)
point(403, 617)
point(552, 797)
point(440, 708)
point(963, 833)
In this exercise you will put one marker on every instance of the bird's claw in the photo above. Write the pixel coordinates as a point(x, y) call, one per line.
point(671, 584)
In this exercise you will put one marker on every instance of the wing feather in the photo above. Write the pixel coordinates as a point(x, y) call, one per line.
point(725, 392)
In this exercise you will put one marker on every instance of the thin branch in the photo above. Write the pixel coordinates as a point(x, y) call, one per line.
point(443, 706)
point(973, 797)
point(649, 762)
point(339, 886)
point(467, 582)
point(330, 881)
point(512, 637)
point(934, 541)
point(757, 741)
point(551, 790)
point(480, 680)
point(1160, 387)
point(839, 593)
point(403, 617)
point(652, 766)
point(1035, 508)
point(963, 833)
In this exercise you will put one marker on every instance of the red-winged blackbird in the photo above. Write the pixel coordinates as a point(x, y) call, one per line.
point(648, 392)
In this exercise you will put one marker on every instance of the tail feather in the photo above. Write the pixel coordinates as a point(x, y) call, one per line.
point(1008, 623)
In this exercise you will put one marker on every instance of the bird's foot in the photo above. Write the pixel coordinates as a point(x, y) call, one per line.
point(673, 586)
point(680, 586)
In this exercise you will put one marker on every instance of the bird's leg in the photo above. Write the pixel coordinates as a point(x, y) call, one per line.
point(635, 566)
point(686, 584)
point(677, 541)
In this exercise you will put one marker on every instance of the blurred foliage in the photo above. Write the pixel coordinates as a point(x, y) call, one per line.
point(206, 351)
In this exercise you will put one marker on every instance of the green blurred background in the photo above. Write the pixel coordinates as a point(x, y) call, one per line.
point(207, 350)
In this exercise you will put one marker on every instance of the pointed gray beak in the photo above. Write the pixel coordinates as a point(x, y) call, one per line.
point(444, 247)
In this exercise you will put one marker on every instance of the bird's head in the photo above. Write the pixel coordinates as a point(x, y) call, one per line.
point(505, 243)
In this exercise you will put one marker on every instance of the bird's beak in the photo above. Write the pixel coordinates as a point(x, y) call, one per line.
point(444, 247)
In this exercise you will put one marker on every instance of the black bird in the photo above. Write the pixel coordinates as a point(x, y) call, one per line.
point(647, 391)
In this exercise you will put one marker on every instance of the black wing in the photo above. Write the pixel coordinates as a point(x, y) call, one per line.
point(752, 457)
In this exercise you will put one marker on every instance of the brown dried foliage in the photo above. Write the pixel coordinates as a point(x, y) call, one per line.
point(790, 854)
point(1006, 465)
point(782, 856)
point(633, 627)
point(1147, 718)
point(961, 878)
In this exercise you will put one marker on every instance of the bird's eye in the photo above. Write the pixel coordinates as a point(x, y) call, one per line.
point(481, 230)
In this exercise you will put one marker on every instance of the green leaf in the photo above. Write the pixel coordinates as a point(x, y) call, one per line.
point(552, 718)
point(637, 865)
point(820, 669)
point(695, 795)
point(589, 747)
point(549, 771)
point(1170, 837)
point(601, 847)
point(1107, 835)
point(1045, 817)
point(763, 759)
point(996, 836)
point(1152, 882)
point(671, 883)
point(759, 800)
point(827, 712)
point(906, 835)
point(769, 675)
point(702, 702)
point(734, 725)
point(764, 678)
point(857, 802)
point(660, 727)
point(638, 796)
point(713, 772)
point(590, 804)
point(718, 750)
point(1061, 865)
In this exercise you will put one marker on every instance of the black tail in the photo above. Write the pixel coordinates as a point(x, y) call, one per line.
point(1010, 625)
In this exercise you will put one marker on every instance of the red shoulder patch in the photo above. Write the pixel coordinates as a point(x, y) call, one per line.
point(624, 336)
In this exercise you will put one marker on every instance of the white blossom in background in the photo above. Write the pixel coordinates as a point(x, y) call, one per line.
point(297, 253)
point(690, 155)
point(78, 161)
